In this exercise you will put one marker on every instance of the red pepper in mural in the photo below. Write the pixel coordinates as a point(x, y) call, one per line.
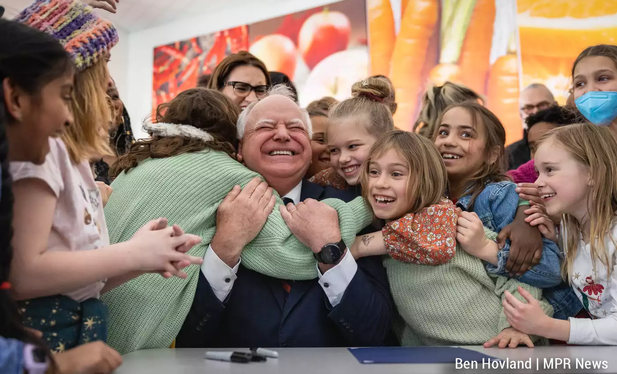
point(177, 66)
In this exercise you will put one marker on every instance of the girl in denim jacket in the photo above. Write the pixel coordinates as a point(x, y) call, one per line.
point(471, 142)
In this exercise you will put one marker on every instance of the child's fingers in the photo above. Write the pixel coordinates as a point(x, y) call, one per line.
point(491, 342)
point(527, 341)
point(514, 341)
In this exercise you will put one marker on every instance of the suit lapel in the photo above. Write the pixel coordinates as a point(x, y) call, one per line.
point(311, 191)
point(298, 289)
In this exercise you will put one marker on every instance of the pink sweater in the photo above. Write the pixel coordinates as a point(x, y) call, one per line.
point(525, 173)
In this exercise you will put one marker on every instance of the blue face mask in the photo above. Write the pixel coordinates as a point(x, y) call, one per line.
point(599, 107)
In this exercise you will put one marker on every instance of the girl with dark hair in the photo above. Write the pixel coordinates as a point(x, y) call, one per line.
point(63, 260)
point(37, 73)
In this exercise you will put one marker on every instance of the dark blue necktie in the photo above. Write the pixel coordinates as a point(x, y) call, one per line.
point(287, 200)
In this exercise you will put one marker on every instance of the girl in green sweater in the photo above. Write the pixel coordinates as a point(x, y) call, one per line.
point(444, 295)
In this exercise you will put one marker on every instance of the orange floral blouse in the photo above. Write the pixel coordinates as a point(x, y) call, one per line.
point(427, 237)
point(329, 177)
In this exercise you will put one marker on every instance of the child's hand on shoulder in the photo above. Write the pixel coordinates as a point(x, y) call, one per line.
point(158, 248)
point(537, 217)
point(470, 235)
point(509, 337)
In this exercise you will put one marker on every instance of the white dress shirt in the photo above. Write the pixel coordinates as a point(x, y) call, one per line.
point(334, 282)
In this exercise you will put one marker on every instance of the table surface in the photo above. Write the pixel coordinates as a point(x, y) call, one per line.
point(340, 360)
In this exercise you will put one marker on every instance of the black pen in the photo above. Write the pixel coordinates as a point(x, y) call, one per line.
point(239, 357)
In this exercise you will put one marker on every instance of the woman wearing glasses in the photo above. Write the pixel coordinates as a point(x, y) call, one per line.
point(242, 77)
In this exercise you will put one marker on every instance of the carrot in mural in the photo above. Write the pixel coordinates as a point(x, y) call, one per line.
point(455, 18)
point(404, 6)
point(474, 61)
point(503, 93)
point(417, 26)
point(381, 35)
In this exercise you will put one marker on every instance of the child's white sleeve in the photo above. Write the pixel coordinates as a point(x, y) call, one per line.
point(601, 331)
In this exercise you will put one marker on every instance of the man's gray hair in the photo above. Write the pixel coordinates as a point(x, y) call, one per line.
point(282, 90)
point(539, 85)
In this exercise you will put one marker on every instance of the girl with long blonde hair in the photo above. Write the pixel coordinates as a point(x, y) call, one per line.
point(578, 180)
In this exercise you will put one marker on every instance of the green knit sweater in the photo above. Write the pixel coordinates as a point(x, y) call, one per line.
point(149, 311)
point(457, 303)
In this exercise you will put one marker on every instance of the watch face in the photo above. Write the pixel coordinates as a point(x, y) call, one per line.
point(327, 255)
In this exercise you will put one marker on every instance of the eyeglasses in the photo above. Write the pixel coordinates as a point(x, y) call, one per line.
point(242, 89)
point(540, 106)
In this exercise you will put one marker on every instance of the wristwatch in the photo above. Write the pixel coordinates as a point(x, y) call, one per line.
point(331, 253)
point(35, 360)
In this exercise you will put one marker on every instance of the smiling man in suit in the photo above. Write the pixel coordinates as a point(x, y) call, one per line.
point(348, 305)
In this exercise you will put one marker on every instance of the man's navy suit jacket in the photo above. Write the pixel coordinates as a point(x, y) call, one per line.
point(259, 313)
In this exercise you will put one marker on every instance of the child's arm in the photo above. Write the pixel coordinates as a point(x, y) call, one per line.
point(368, 245)
point(503, 204)
point(579, 331)
point(427, 237)
point(470, 234)
point(37, 272)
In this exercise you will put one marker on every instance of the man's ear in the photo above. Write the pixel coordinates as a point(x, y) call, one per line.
point(13, 99)
point(239, 154)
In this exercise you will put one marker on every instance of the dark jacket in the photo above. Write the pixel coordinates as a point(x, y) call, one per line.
point(257, 313)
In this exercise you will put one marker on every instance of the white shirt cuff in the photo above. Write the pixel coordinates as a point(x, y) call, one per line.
point(335, 281)
point(220, 276)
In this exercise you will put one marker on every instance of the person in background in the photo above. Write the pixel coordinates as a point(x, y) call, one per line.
point(120, 140)
point(435, 100)
point(35, 75)
point(281, 78)
point(63, 260)
point(594, 79)
point(204, 80)
point(390, 101)
point(534, 98)
point(537, 125)
point(578, 174)
point(241, 77)
point(318, 112)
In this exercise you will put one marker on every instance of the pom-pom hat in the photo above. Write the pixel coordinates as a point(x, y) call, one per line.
point(84, 34)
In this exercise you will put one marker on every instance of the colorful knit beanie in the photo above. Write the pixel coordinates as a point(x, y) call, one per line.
point(82, 33)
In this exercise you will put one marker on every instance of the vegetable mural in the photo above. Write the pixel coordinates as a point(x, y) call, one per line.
point(460, 41)
point(553, 32)
point(177, 66)
point(495, 47)
point(323, 50)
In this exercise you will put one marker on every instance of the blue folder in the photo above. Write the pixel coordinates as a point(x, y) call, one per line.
point(416, 355)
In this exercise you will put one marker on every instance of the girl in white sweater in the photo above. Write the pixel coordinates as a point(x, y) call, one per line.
point(577, 168)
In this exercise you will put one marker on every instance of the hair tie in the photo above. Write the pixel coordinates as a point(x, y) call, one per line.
point(372, 97)
point(5, 286)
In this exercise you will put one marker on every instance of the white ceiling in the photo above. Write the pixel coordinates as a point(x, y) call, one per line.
point(137, 15)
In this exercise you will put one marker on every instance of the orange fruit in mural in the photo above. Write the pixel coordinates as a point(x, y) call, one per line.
point(553, 32)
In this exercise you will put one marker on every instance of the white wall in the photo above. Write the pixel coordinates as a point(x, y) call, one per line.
point(118, 66)
point(137, 95)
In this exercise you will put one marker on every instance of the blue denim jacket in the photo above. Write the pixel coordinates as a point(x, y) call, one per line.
point(496, 206)
point(11, 356)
